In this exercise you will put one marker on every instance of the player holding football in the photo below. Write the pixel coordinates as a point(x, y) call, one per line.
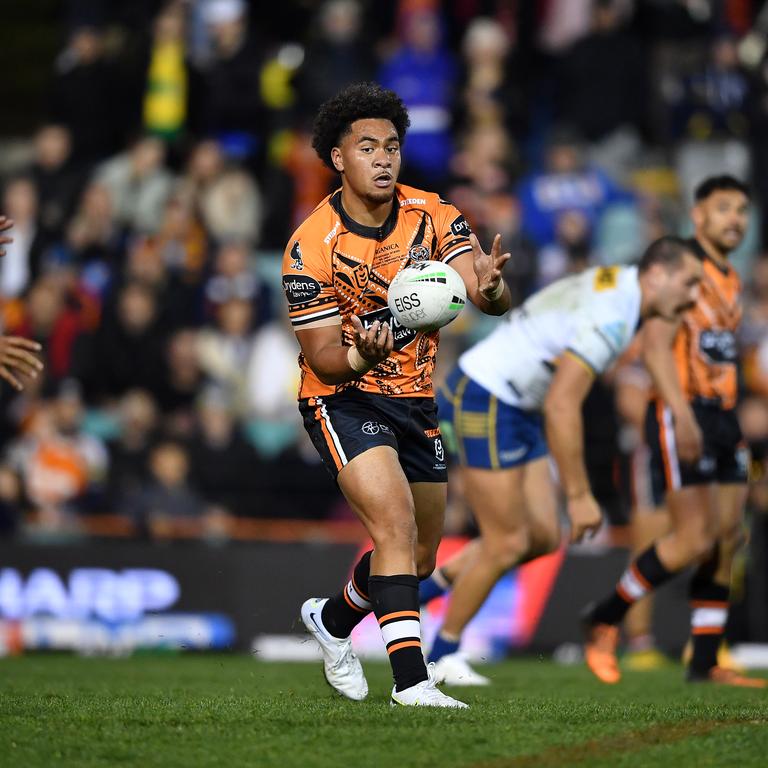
point(525, 381)
point(698, 456)
point(366, 389)
point(16, 359)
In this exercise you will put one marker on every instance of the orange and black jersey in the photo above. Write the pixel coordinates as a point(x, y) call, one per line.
point(705, 347)
point(334, 267)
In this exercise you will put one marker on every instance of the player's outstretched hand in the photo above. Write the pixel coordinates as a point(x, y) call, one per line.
point(586, 517)
point(488, 266)
point(5, 225)
point(375, 344)
point(17, 360)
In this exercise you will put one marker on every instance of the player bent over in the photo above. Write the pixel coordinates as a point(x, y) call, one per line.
point(698, 455)
point(366, 386)
point(526, 380)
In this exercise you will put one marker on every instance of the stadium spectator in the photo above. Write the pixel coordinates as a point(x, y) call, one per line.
point(126, 351)
point(338, 54)
point(180, 381)
point(230, 106)
point(93, 235)
point(429, 97)
point(129, 451)
point(138, 185)
point(566, 184)
point(167, 504)
point(57, 181)
point(84, 77)
point(222, 462)
point(23, 255)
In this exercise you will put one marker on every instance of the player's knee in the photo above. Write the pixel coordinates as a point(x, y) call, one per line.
point(425, 562)
point(507, 549)
point(394, 531)
point(544, 541)
point(700, 543)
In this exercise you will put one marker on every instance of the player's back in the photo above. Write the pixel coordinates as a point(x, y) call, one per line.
point(592, 315)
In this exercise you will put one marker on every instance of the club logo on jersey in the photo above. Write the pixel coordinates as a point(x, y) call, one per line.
point(418, 253)
point(460, 227)
point(300, 289)
point(605, 278)
point(402, 336)
point(298, 263)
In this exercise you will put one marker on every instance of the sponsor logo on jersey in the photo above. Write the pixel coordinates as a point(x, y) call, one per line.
point(718, 346)
point(513, 455)
point(413, 201)
point(439, 452)
point(402, 336)
point(298, 263)
point(327, 239)
point(605, 278)
point(418, 253)
point(460, 226)
point(432, 432)
point(300, 289)
point(370, 428)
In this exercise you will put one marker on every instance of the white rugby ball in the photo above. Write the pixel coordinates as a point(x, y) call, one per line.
point(426, 296)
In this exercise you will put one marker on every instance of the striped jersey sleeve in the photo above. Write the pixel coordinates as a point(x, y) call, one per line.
point(308, 285)
point(453, 232)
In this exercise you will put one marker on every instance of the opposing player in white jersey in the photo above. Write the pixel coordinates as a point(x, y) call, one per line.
point(525, 381)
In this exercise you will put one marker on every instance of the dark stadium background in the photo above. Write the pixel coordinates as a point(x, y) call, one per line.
point(155, 158)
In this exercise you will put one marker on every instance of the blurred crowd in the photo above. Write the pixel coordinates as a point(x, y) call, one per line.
point(171, 161)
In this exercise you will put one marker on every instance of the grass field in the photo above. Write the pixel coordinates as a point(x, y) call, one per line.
point(197, 711)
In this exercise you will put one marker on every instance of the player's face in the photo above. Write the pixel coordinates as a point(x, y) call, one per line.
point(721, 219)
point(679, 287)
point(369, 158)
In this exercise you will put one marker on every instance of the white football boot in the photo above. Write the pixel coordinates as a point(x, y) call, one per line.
point(453, 669)
point(425, 694)
point(341, 667)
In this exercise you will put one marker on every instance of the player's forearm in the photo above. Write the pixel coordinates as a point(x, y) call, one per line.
point(565, 438)
point(660, 362)
point(338, 365)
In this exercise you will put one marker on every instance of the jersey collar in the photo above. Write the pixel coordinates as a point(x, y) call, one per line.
point(373, 233)
point(723, 268)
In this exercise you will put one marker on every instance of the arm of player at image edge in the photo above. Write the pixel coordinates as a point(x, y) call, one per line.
point(17, 360)
point(565, 439)
point(658, 338)
point(481, 273)
point(334, 363)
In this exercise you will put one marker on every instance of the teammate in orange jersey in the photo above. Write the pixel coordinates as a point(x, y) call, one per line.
point(16, 359)
point(699, 457)
point(366, 383)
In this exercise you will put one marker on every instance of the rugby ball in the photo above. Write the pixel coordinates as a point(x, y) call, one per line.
point(426, 296)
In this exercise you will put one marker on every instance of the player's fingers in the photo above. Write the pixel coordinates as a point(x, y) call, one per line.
point(496, 247)
point(503, 259)
point(390, 345)
point(10, 378)
point(20, 341)
point(21, 357)
point(5, 223)
point(475, 243)
point(381, 338)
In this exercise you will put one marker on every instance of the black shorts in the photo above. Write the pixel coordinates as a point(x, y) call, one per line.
point(348, 423)
point(725, 458)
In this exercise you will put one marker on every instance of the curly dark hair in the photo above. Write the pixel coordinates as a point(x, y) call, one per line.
point(355, 102)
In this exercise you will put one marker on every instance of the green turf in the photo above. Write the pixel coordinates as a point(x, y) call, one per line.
point(195, 711)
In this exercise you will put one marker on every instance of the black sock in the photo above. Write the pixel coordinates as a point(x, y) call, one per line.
point(709, 612)
point(644, 574)
point(396, 605)
point(345, 610)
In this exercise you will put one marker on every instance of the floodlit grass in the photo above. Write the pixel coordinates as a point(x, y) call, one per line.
point(195, 711)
